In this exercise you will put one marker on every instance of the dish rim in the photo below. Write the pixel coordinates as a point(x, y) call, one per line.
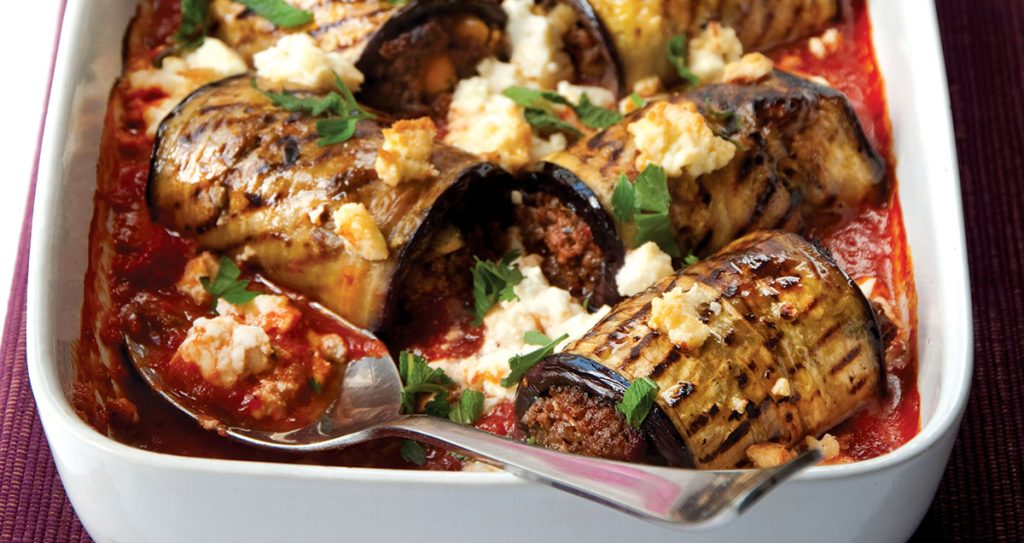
point(955, 364)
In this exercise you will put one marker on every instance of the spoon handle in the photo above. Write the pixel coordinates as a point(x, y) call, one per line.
point(676, 496)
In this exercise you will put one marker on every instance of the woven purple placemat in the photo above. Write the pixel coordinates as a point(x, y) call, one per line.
point(982, 495)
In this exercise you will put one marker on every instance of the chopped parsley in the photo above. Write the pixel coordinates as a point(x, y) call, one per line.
point(520, 364)
point(227, 285)
point(534, 337)
point(315, 386)
point(646, 204)
point(637, 100)
point(192, 29)
point(413, 453)
point(341, 112)
point(637, 401)
point(468, 409)
point(690, 259)
point(418, 377)
point(538, 112)
point(677, 53)
point(280, 13)
point(494, 282)
point(438, 406)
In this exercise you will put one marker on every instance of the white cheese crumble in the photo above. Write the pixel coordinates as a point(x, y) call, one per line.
point(177, 77)
point(752, 68)
point(406, 150)
point(782, 388)
point(267, 311)
point(540, 307)
point(826, 44)
point(536, 41)
point(484, 122)
point(226, 350)
point(204, 265)
point(599, 96)
point(676, 137)
point(711, 50)
point(828, 444)
point(296, 61)
point(359, 232)
point(643, 267)
point(676, 313)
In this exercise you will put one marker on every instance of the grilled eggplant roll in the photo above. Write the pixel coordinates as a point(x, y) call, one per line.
point(413, 55)
point(801, 160)
point(777, 344)
point(248, 178)
point(641, 30)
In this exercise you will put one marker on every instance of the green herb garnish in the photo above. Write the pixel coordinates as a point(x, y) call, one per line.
point(438, 406)
point(280, 13)
point(637, 100)
point(342, 111)
point(646, 203)
point(690, 259)
point(538, 112)
point(494, 282)
point(192, 29)
point(413, 452)
point(520, 364)
point(227, 285)
point(418, 377)
point(534, 337)
point(677, 53)
point(637, 401)
point(469, 408)
point(314, 385)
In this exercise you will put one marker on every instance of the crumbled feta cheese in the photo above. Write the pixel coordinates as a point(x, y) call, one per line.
point(216, 56)
point(296, 61)
point(330, 346)
point(711, 50)
point(819, 80)
point(782, 388)
point(270, 312)
point(676, 313)
point(536, 41)
point(599, 96)
point(486, 123)
point(828, 444)
point(273, 396)
point(739, 405)
point(642, 268)
point(177, 77)
point(359, 232)
point(826, 44)
point(540, 147)
point(677, 138)
point(204, 265)
point(226, 350)
point(648, 86)
point(752, 68)
point(768, 455)
point(867, 285)
point(405, 153)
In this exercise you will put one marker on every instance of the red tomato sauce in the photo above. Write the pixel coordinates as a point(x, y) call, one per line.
point(147, 259)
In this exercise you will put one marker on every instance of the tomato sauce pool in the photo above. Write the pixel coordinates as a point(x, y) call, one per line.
point(871, 245)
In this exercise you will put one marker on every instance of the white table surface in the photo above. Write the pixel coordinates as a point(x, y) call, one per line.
point(26, 48)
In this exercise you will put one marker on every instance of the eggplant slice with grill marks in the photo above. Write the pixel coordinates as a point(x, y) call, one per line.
point(641, 30)
point(413, 55)
point(802, 160)
point(793, 348)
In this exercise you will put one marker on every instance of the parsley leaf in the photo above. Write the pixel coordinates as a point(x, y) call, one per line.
point(637, 401)
point(469, 408)
point(438, 406)
point(646, 203)
point(527, 97)
point(545, 121)
point(192, 30)
point(637, 100)
point(494, 282)
point(691, 259)
point(280, 13)
point(342, 110)
point(677, 53)
point(595, 117)
point(417, 376)
point(534, 337)
point(227, 285)
point(413, 452)
point(315, 385)
point(520, 364)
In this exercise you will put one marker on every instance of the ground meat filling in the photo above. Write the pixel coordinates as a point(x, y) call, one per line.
point(569, 420)
point(419, 69)
point(572, 259)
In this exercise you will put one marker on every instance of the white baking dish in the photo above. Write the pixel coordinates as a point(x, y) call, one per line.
point(130, 495)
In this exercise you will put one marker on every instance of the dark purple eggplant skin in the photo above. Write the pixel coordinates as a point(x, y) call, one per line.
point(602, 383)
point(614, 78)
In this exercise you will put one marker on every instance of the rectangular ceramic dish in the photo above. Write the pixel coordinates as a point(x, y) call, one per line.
point(126, 494)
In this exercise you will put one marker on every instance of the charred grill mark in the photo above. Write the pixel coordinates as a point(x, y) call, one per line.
point(855, 388)
point(699, 422)
point(637, 350)
point(832, 330)
point(290, 149)
point(729, 442)
point(320, 30)
point(255, 200)
point(681, 391)
point(671, 358)
point(845, 361)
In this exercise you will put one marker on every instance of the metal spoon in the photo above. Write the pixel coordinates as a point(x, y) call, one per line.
point(368, 406)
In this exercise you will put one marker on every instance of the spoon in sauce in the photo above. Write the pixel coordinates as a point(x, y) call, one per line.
point(368, 407)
